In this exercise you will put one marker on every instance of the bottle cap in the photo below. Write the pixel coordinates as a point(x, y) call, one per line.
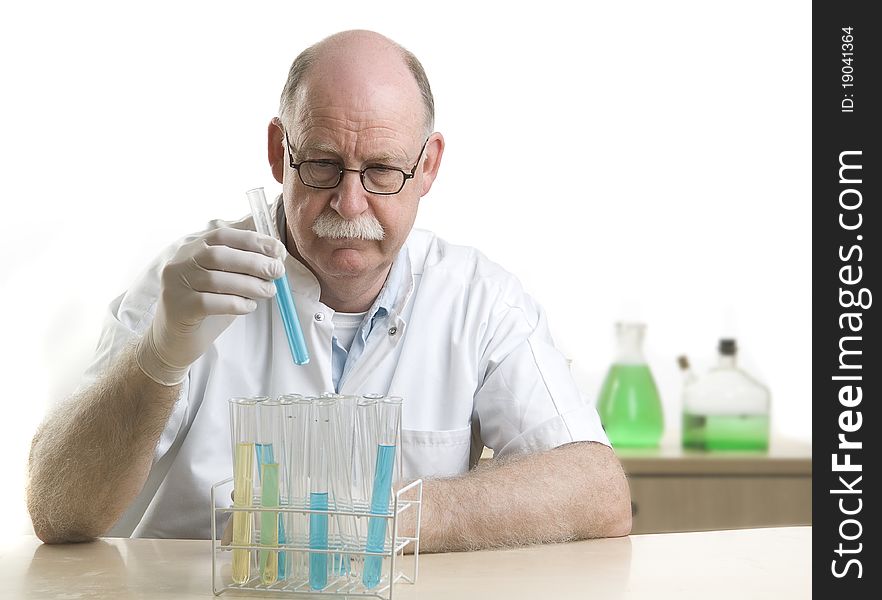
point(728, 347)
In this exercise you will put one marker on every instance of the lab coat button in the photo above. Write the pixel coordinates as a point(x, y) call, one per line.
point(393, 330)
point(319, 316)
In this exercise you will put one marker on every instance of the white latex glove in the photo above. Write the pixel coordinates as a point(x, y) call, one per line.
point(205, 285)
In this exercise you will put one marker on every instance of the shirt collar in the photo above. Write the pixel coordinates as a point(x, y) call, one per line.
point(397, 288)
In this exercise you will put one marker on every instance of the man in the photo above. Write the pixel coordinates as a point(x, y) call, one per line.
point(383, 308)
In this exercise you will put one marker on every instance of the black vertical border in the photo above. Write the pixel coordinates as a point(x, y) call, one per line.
point(836, 131)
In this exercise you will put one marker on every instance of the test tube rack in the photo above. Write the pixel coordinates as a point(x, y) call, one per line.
point(408, 498)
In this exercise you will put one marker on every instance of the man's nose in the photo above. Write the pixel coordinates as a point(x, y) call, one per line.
point(350, 197)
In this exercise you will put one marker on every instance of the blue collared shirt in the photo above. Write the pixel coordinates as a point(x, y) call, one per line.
point(343, 361)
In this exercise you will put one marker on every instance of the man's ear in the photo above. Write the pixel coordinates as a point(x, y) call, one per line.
point(433, 152)
point(275, 148)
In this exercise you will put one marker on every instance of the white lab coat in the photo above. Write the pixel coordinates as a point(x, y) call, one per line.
point(464, 345)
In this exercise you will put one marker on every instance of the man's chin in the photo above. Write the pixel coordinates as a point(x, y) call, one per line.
point(348, 261)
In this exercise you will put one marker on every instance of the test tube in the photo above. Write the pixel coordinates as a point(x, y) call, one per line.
point(348, 405)
point(347, 468)
point(243, 420)
point(298, 415)
point(366, 415)
point(365, 455)
point(318, 491)
point(273, 478)
point(388, 422)
point(338, 447)
point(263, 224)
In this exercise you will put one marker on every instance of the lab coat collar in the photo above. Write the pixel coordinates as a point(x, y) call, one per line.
point(396, 291)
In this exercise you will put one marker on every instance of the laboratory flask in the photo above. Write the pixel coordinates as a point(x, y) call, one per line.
point(726, 409)
point(629, 404)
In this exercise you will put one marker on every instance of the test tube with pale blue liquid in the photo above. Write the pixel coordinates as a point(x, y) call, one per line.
point(388, 422)
point(264, 224)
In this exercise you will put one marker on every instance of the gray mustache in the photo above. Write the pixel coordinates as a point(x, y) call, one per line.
point(329, 224)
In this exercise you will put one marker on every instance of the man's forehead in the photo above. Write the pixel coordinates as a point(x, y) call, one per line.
point(325, 122)
point(359, 99)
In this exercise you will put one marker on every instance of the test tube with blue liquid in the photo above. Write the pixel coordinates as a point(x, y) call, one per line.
point(264, 224)
point(319, 436)
point(388, 422)
point(269, 450)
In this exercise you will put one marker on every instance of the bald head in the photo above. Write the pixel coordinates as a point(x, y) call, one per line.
point(357, 61)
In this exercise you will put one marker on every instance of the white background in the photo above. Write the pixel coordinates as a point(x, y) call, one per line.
point(681, 132)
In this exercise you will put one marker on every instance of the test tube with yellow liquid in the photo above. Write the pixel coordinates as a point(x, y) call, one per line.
point(243, 420)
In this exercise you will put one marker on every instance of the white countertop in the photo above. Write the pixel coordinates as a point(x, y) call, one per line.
point(751, 563)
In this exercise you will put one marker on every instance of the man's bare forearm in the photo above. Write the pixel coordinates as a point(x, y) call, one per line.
point(92, 454)
point(572, 492)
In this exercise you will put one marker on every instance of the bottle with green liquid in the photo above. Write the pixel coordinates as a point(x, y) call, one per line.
point(629, 404)
point(726, 409)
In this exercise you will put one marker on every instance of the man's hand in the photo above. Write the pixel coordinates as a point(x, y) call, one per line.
point(92, 455)
point(572, 492)
point(205, 285)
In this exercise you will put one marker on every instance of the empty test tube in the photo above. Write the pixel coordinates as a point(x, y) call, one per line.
point(364, 453)
point(388, 422)
point(346, 469)
point(341, 467)
point(243, 419)
point(366, 415)
point(338, 445)
point(263, 224)
point(298, 415)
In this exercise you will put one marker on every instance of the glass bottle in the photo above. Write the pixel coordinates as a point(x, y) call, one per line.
point(688, 375)
point(726, 409)
point(629, 404)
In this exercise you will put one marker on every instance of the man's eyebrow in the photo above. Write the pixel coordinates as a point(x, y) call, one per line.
point(387, 158)
point(324, 148)
point(318, 147)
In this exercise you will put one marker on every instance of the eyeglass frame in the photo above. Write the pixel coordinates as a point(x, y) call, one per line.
point(343, 169)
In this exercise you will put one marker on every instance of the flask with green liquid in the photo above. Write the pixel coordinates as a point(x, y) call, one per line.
point(726, 409)
point(629, 404)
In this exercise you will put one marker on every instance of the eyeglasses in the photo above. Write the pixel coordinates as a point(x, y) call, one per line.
point(327, 174)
